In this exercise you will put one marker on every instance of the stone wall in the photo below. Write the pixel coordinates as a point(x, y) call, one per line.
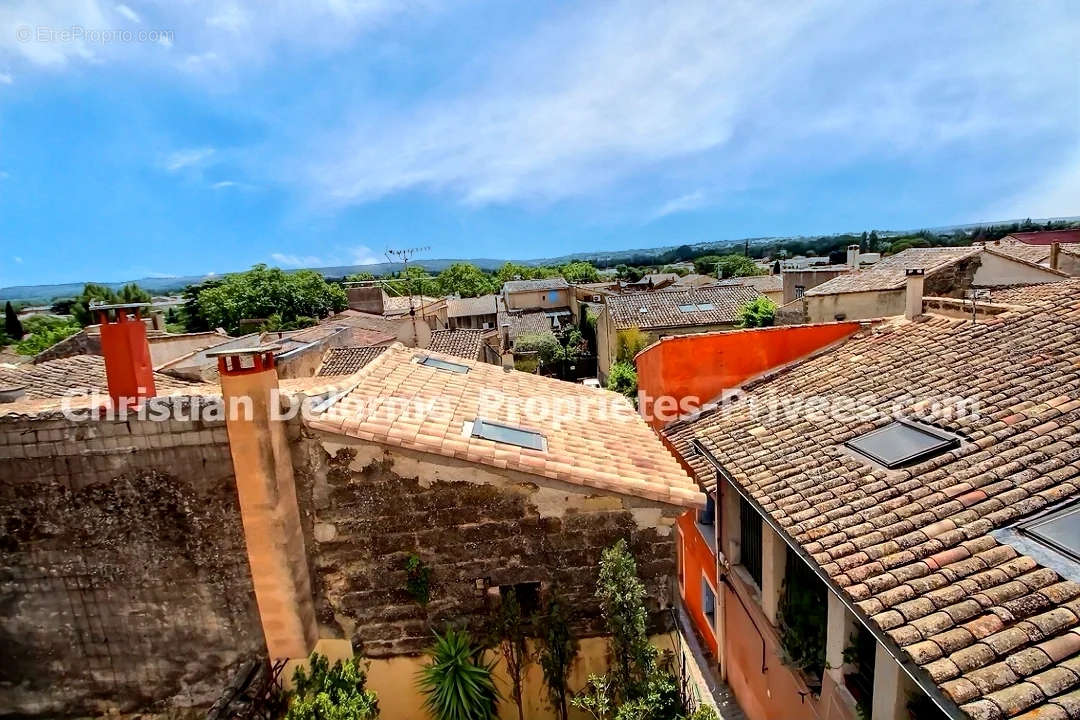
point(367, 509)
point(952, 280)
point(124, 580)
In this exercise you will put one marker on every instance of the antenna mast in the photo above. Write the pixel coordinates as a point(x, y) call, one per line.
point(404, 256)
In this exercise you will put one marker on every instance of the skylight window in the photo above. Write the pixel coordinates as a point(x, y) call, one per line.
point(444, 365)
point(507, 434)
point(901, 443)
point(697, 307)
point(1058, 530)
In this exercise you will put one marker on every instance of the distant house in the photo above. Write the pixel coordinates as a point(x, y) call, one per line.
point(372, 300)
point(548, 293)
point(695, 280)
point(1038, 248)
point(409, 330)
point(880, 291)
point(771, 286)
point(667, 312)
point(472, 313)
point(653, 281)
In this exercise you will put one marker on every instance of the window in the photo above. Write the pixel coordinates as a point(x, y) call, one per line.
point(750, 540)
point(707, 515)
point(859, 656)
point(802, 617)
point(697, 307)
point(444, 365)
point(527, 595)
point(679, 561)
point(1058, 530)
point(901, 443)
point(708, 602)
point(507, 434)
point(800, 290)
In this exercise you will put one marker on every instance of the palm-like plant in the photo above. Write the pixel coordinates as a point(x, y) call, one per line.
point(457, 682)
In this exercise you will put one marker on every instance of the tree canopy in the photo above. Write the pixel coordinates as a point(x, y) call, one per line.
point(92, 292)
point(264, 292)
point(759, 312)
point(727, 266)
point(580, 272)
point(466, 280)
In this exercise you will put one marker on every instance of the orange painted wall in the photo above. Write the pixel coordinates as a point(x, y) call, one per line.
point(704, 365)
point(697, 559)
point(774, 693)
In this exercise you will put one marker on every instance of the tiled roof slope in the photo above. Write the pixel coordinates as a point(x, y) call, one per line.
point(466, 307)
point(998, 633)
point(661, 309)
point(610, 450)
point(888, 273)
point(1039, 254)
point(460, 343)
point(76, 375)
point(525, 323)
point(761, 283)
point(1047, 237)
point(347, 360)
point(399, 305)
point(555, 283)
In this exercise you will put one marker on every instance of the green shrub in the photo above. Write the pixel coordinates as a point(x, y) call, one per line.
point(418, 580)
point(456, 682)
point(759, 312)
point(622, 378)
point(332, 693)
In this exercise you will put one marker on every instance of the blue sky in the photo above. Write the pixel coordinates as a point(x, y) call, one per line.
point(223, 133)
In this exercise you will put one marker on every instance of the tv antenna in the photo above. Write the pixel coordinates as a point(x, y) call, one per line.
point(403, 256)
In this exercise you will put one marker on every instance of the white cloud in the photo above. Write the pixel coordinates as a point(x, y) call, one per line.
point(298, 261)
point(28, 26)
point(128, 13)
point(1057, 194)
point(606, 94)
point(231, 18)
point(362, 255)
point(17, 259)
point(190, 157)
point(6, 78)
point(4, 175)
point(683, 203)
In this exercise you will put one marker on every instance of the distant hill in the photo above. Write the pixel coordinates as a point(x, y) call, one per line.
point(41, 294)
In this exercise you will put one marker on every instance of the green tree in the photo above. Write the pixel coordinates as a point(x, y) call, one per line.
point(466, 280)
point(546, 346)
point(13, 327)
point(622, 604)
point(456, 681)
point(359, 277)
point(580, 272)
point(44, 331)
point(628, 343)
point(727, 266)
point(262, 292)
point(622, 378)
point(92, 293)
point(509, 635)
point(332, 693)
point(759, 312)
point(558, 648)
point(514, 271)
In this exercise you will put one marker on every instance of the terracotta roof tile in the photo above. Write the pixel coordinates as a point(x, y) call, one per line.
point(460, 343)
point(347, 360)
point(664, 309)
point(997, 631)
point(603, 443)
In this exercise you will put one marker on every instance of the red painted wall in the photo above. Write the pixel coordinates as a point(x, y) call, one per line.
point(704, 365)
point(697, 560)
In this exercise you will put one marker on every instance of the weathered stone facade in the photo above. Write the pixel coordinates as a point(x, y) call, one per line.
point(367, 509)
point(124, 581)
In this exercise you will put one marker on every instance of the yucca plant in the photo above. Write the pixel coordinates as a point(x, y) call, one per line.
point(457, 682)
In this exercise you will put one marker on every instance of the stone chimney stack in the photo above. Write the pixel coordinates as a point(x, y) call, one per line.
point(1055, 255)
point(268, 507)
point(128, 370)
point(853, 256)
point(915, 280)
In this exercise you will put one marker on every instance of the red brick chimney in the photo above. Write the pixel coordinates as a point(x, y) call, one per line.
point(128, 369)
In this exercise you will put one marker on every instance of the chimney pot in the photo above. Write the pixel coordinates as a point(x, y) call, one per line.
point(1055, 255)
point(128, 369)
point(853, 256)
point(914, 292)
